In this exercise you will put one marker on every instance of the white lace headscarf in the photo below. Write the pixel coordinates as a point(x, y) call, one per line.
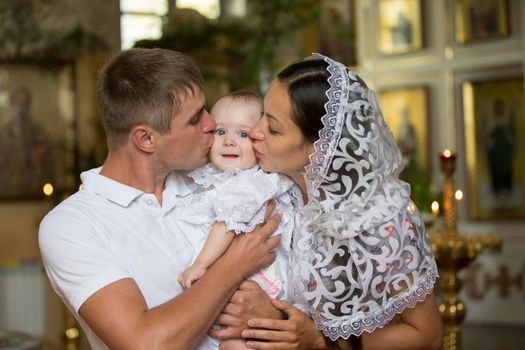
point(360, 251)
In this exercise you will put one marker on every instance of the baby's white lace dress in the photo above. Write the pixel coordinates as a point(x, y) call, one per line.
point(239, 199)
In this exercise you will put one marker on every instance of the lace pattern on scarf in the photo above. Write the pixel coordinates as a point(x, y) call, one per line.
point(360, 251)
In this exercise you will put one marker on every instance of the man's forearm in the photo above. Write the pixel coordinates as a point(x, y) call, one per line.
point(119, 315)
point(200, 305)
point(197, 308)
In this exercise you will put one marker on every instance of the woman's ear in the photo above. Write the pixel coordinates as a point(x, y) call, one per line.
point(310, 149)
point(143, 138)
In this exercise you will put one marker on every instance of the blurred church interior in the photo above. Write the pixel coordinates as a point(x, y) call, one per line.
point(448, 75)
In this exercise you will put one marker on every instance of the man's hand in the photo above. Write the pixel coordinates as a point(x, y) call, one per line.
point(250, 252)
point(248, 302)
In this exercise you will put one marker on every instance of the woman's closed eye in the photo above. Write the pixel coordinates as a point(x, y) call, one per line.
point(272, 131)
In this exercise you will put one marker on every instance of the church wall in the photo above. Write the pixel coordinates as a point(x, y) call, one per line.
point(494, 291)
point(20, 217)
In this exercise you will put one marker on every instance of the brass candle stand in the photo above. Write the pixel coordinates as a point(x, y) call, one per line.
point(454, 252)
point(71, 332)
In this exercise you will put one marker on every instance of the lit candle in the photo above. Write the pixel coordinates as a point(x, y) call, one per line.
point(446, 154)
point(434, 207)
point(458, 195)
point(448, 162)
point(48, 189)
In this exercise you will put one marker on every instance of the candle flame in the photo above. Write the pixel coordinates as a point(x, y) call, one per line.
point(447, 153)
point(435, 207)
point(48, 189)
point(459, 195)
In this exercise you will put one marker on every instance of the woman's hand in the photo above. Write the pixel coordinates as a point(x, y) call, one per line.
point(248, 302)
point(297, 332)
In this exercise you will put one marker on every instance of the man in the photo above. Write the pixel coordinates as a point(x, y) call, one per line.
point(113, 250)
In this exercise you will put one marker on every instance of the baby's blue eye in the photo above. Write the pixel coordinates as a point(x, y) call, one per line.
point(243, 134)
point(219, 132)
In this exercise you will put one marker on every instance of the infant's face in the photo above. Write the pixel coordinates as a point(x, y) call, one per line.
point(232, 147)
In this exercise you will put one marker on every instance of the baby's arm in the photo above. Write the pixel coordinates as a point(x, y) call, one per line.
point(216, 244)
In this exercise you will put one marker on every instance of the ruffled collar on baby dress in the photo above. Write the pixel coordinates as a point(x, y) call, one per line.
point(239, 197)
point(209, 174)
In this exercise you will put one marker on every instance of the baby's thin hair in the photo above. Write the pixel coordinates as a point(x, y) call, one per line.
point(245, 95)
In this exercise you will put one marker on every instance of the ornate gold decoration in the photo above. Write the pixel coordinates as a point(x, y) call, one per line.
point(503, 281)
point(454, 252)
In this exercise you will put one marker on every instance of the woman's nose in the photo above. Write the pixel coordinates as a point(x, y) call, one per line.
point(256, 133)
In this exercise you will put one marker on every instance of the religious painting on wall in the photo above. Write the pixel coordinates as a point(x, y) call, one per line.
point(494, 122)
point(337, 31)
point(36, 129)
point(478, 20)
point(406, 111)
point(400, 26)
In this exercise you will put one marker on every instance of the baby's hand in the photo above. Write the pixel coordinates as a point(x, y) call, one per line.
point(190, 275)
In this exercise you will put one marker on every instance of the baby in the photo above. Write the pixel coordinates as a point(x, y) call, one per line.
point(233, 192)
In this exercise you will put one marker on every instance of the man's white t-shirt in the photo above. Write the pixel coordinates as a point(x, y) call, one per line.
point(109, 231)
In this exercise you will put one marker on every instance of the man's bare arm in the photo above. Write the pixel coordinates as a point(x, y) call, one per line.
point(118, 313)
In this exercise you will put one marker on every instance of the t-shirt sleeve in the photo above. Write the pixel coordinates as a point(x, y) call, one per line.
point(78, 259)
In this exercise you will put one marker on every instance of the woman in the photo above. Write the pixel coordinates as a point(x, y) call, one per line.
point(360, 252)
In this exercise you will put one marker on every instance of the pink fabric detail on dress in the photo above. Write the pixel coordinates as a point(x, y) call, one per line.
point(270, 287)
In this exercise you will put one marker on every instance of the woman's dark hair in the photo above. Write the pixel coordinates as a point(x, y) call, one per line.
point(307, 83)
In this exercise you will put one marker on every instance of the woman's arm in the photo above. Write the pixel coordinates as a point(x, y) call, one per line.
point(250, 302)
point(421, 329)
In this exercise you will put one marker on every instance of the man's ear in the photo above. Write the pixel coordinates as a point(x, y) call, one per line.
point(143, 137)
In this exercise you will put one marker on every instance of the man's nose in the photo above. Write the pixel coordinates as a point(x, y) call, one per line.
point(207, 122)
